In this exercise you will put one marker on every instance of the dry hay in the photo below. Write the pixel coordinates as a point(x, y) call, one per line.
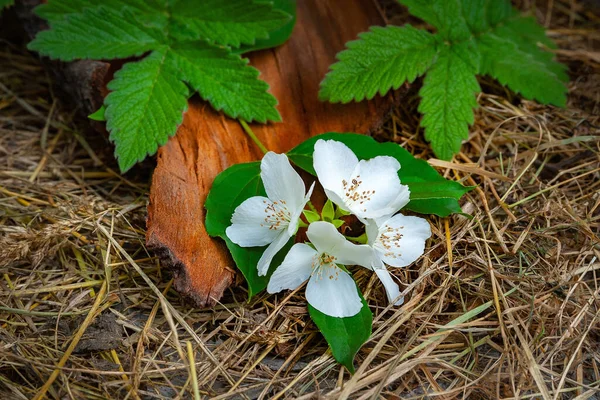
point(502, 305)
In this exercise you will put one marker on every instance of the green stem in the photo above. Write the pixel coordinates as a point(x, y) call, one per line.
point(253, 137)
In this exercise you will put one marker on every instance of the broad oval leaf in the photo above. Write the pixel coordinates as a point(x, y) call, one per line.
point(345, 336)
point(230, 188)
point(430, 193)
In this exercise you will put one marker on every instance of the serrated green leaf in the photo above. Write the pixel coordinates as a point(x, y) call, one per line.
point(378, 61)
point(527, 34)
point(345, 336)
point(121, 29)
point(144, 108)
point(230, 23)
point(277, 36)
point(445, 15)
point(111, 35)
point(466, 43)
point(430, 193)
point(520, 71)
point(510, 54)
point(448, 98)
point(230, 188)
point(225, 80)
point(497, 10)
point(57, 10)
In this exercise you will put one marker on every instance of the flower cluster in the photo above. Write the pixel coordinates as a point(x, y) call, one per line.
point(369, 189)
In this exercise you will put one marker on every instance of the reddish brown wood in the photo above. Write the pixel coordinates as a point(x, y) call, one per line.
point(208, 142)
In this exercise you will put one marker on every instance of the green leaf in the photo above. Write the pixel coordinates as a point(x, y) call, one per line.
point(229, 23)
point(98, 33)
point(225, 80)
point(125, 29)
point(473, 37)
point(246, 259)
point(430, 193)
point(98, 115)
point(528, 35)
point(278, 36)
point(311, 216)
point(520, 64)
point(6, 3)
point(56, 10)
point(144, 107)
point(483, 15)
point(380, 60)
point(328, 212)
point(448, 98)
point(339, 212)
point(445, 15)
point(345, 336)
point(230, 188)
point(337, 223)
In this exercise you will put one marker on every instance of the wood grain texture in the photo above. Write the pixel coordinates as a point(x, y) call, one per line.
point(208, 142)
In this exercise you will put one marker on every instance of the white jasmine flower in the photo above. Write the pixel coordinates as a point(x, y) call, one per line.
point(272, 220)
point(367, 188)
point(330, 288)
point(397, 241)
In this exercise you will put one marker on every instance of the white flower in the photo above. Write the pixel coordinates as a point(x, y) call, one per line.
point(261, 221)
point(367, 188)
point(397, 241)
point(330, 289)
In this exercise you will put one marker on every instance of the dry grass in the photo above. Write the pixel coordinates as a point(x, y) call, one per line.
point(503, 305)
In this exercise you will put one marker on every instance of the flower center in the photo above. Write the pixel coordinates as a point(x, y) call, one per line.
point(277, 215)
point(323, 266)
point(389, 241)
point(353, 193)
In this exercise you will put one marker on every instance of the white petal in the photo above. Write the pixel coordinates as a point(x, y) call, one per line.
point(333, 292)
point(271, 251)
point(328, 240)
point(374, 189)
point(336, 199)
point(392, 290)
point(295, 269)
point(372, 229)
point(309, 193)
point(295, 219)
point(282, 182)
point(249, 227)
point(401, 239)
point(402, 199)
point(334, 162)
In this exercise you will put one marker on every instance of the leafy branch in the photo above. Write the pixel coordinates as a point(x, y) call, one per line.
point(474, 37)
point(185, 47)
